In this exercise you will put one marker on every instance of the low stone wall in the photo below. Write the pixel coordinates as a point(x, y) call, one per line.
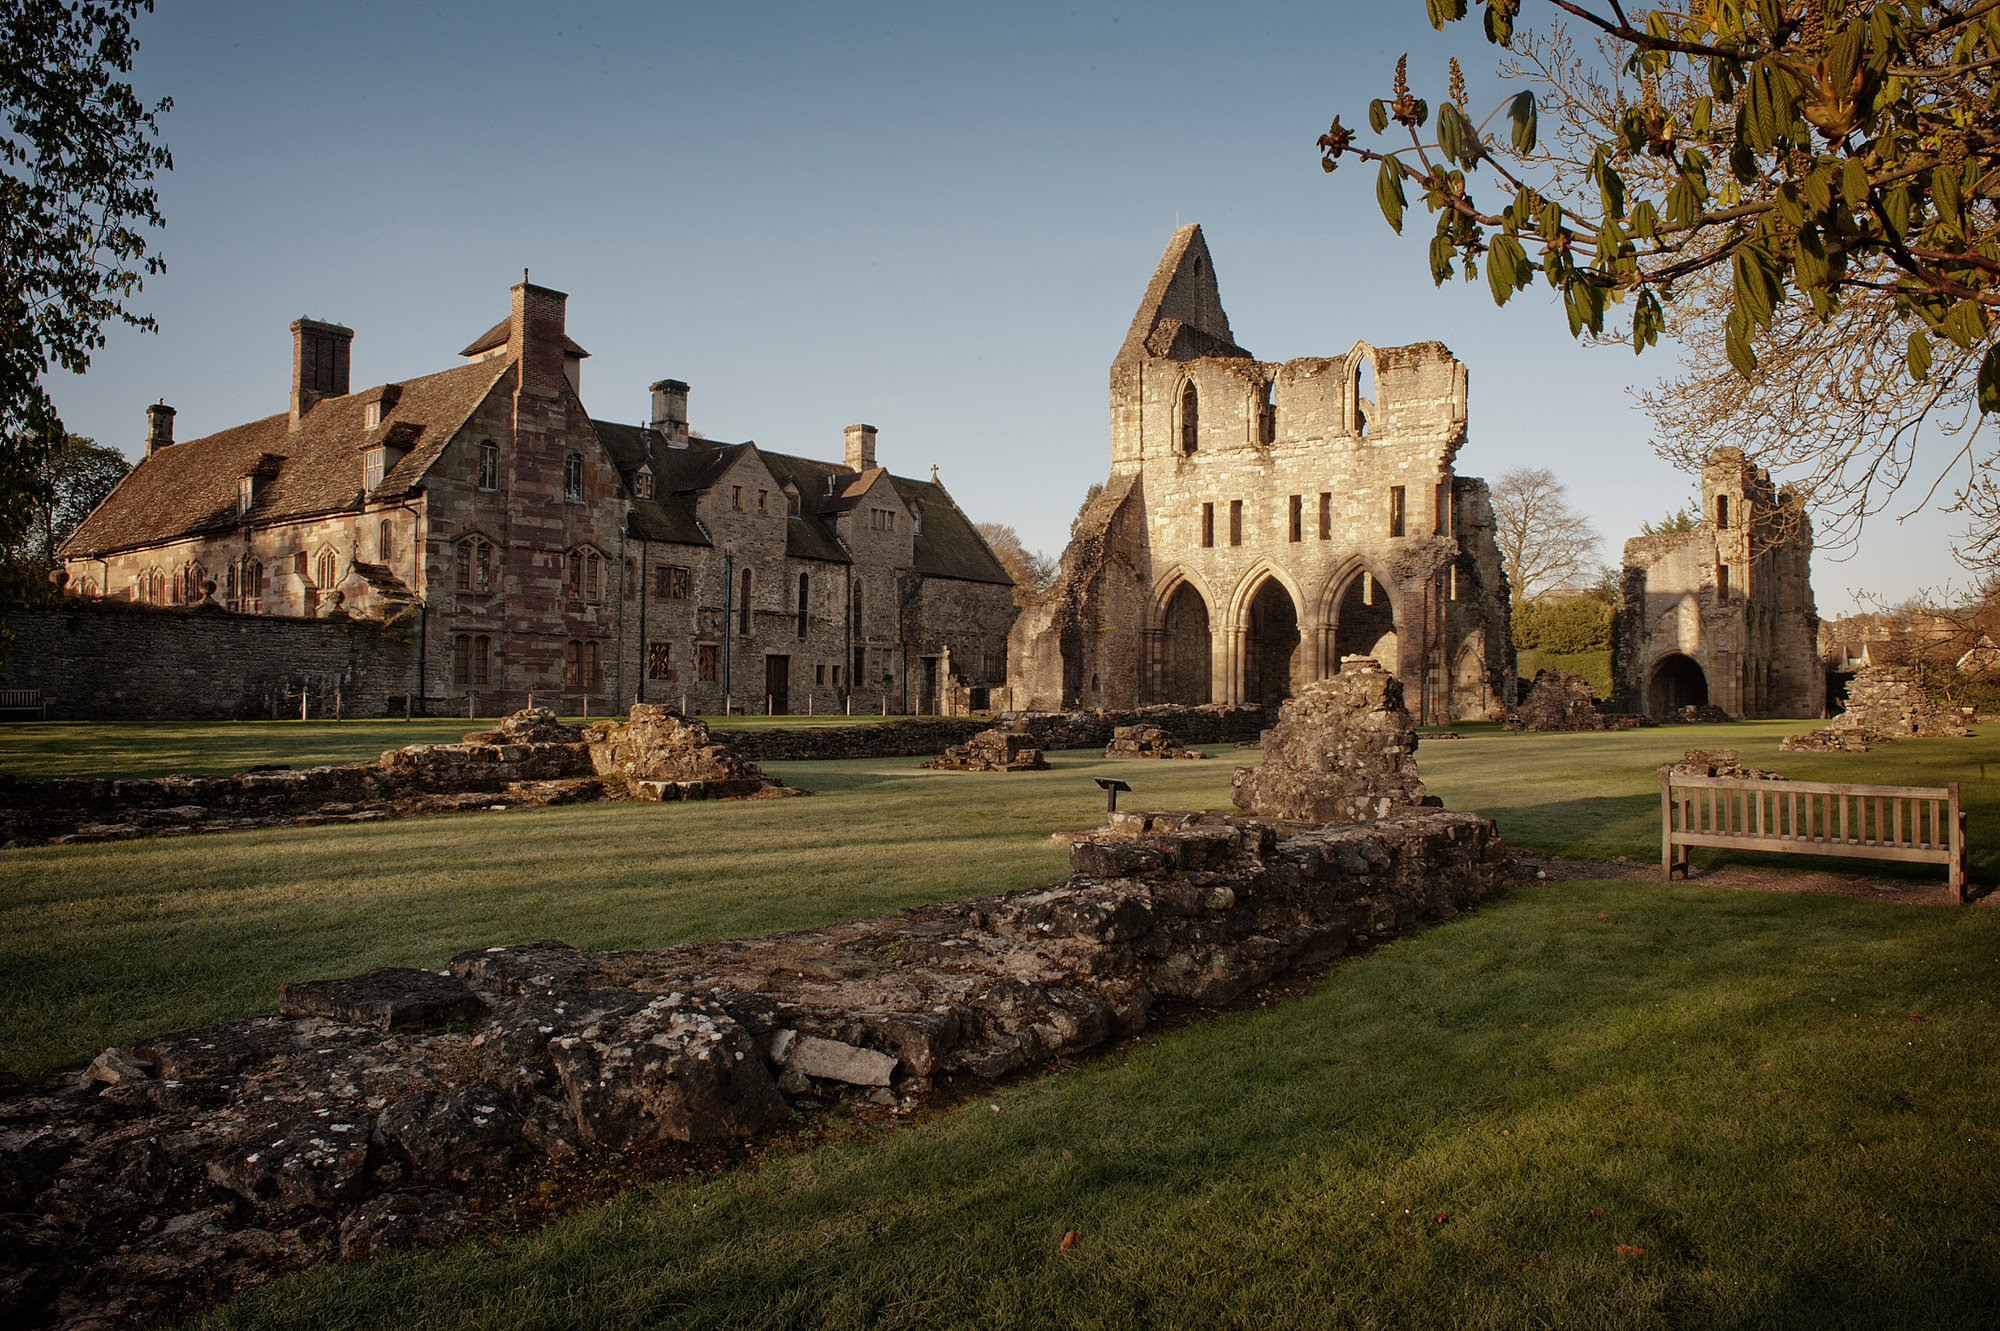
point(98, 660)
point(201, 1161)
point(1884, 703)
point(924, 737)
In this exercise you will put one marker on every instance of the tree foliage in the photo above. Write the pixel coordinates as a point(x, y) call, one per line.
point(1032, 571)
point(76, 161)
point(74, 479)
point(1676, 521)
point(1801, 192)
point(1544, 543)
point(1580, 624)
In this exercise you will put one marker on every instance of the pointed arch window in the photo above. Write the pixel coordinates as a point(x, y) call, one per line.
point(802, 605)
point(327, 570)
point(1190, 418)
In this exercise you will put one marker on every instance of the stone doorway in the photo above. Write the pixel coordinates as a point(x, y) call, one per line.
point(778, 684)
point(1677, 682)
point(1365, 625)
point(1270, 645)
point(1185, 653)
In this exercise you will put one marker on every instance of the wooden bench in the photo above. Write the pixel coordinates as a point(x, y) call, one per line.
point(18, 702)
point(1920, 824)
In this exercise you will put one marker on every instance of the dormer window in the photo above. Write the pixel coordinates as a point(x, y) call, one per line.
point(792, 503)
point(642, 484)
point(371, 416)
point(246, 494)
point(373, 467)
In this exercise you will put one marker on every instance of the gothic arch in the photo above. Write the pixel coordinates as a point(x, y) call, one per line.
point(1352, 403)
point(1251, 582)
point(1170, 582)
point(1187, 416)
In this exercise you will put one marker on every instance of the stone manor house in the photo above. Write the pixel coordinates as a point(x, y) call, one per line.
point(1263, 520)
point(531, 549)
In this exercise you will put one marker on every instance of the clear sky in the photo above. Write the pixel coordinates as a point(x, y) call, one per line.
point(934, 218)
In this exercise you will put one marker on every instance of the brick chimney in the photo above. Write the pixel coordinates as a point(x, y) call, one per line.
point(860, 447)
point(670, 411)
point(319, 364)
point(159, 427)
point(535, 337)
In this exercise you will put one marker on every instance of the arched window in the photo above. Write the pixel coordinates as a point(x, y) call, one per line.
point(383, 548)
point(802, 605)
point(197, 584)
point(229, 593)
point(482, 657)
point(743, 614)
point(573, 478)
point(1364, 395)
point(1722, 512)
point(253, 586)
point(593, 575)
point(1190, 419)
point(326, 574)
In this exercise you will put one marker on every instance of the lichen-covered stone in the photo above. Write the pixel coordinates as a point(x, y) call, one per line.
point(1146, 742)
point(1344, 750)
point(1559, 700)
point(993, 751)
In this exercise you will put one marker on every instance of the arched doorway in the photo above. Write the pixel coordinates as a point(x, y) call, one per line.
point(1270, 644)
point(1677, 682)
point(1365, 624)
point(1185, 657)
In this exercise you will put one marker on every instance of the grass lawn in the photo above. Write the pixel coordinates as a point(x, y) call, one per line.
point(1729, 1081)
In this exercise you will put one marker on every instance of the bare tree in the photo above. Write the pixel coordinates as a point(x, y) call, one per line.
point(1544, 543)
point(1031, 570)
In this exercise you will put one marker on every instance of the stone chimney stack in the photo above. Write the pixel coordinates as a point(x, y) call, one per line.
point(670, 411)
point(159, 427)
point(860, 447)
point(536, 338)
point(319, 364)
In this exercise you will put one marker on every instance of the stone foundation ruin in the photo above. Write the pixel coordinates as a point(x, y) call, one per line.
point(1344, 750)
point(1558, 700)
point(1884, 703)
point(529, 760)
point(369, 1110)
point(993, 751)
point(1146, 742)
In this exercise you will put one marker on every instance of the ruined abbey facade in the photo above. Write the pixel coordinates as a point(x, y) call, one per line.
point(1263, 520)
point(1723, 615)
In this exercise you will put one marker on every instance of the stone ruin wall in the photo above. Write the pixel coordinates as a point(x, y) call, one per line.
point(110, 661)
point(199, 1162)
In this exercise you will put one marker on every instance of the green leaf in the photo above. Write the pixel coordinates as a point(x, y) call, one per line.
point(1702, 117)
point(1451, 141)
point(1682, 204)
point(1809, 259)
point(1500, 16)
point(1843, 55)
point(1423, 112)
point(1896, 211)
point(1738, 345)
point(1645, 221)
point(1989, 380)
point(1522, 112)
point(1966, 324)
point(1441, 255)
point(1613, 187)
point(1920, 355)
point(1854, 183)
point(1378, 116)
point(1719, 81)
point(1507, 268)
point(1552, 219)
point(1757, 288)
point(1389, 193)
point(1787, 199)
point(1944, 189)
point(1817, 188)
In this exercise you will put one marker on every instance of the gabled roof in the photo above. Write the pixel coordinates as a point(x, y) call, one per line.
point(497, 335)
point(190, 488)
point(946, 544)
point(1184, 294)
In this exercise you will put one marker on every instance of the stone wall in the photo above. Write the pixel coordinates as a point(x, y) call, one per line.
point(927, 736)
point(201, 1161)
point(97, 660)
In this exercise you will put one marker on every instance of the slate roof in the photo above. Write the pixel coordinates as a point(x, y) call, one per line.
point(496, 336)
point(190, 488)
point(945, 546)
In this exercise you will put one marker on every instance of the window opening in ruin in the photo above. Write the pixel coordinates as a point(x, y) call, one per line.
point(1395, 510)
point(1722, 512)
point(1325, 516)
point(383, 547)
point(673, 582)
point(327, 570)
point(1722, 582)
point(573, 478)
point(736, 497)
point(660, 661)
point(1296, 524)
point(1236, 522)
point(802, 605)
point(482, 656)
point(489, 466)
point(819, 674)
point(1190, 419)
point(743, 614)
point(642, 485)
point(835, 673)
point(704, 662)
point(1208, 524)
point(1364, 395)
point(1441, 522)
point(1267, 418)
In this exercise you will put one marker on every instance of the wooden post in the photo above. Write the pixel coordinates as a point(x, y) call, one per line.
point(1666, 829)
point(1956, 877)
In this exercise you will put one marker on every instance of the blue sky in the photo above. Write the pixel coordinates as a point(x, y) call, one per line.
point(934, 218)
